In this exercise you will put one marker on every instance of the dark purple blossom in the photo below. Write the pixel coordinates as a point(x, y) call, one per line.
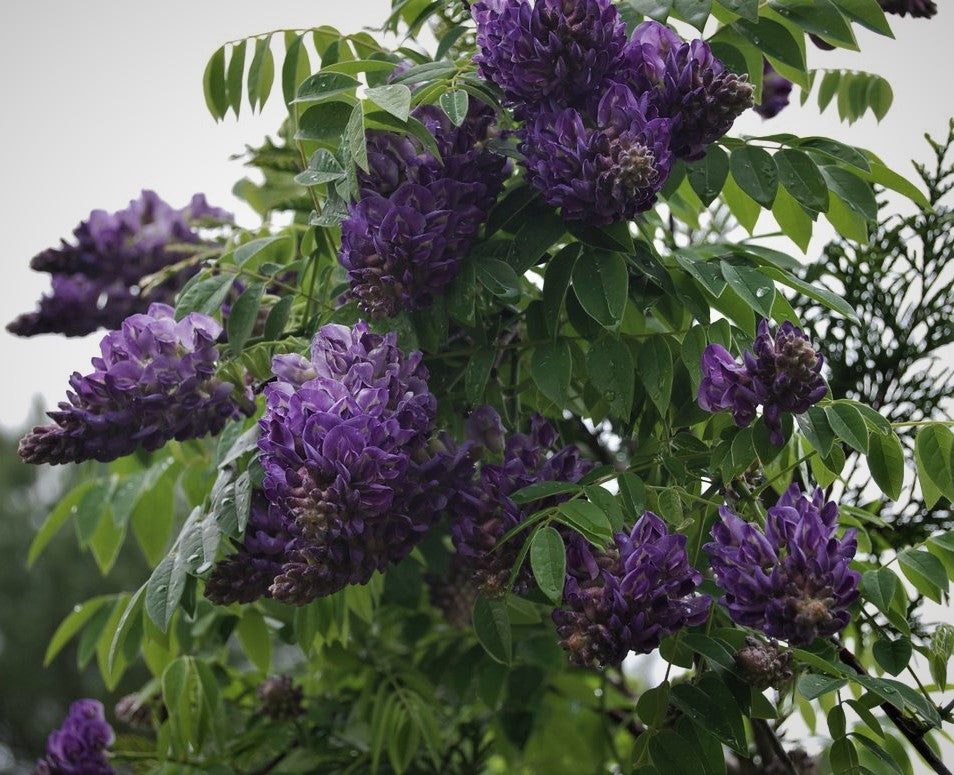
point(95, 281)
point(155, 381)
point(775, 92)
point(418, 216)
point(549, 53)
point(79, 746)
point(352, 475)
point(629, 596)
point(781, 372)
point(923, 9)
point(791, 580)
point(601, 169)
point(763, 664)
point(280, 699)
point(484, 510)
point(688, 85)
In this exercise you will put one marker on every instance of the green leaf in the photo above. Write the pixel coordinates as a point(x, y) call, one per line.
point(243, 315)
point(747, 9)
point(205, 296)
point(888, 178)
point(925, 572)
point(164, 589)
point(355, 138)
point(849, 426)
point(812, 686)
point(323, 168)
point(801, 178)
point(654, 367)
point(234, 77)
point(601, 284)
point(296, 67)
point(477, 372)
point(886, 461)
point(672, 754)
point(129, 623)
point(892, 655)
point(832, 150)
point(556, 281)
point(828, 88)
point(54, 521)
point(934, 452)
point(534, 239)
point(538, 490)
point(91, 509)
point(820, 17)
point(492, 628)
point(498, 277)
point(694, 12)
point(324, 86)
point(214, 86)
point(879, 587)
point(754, 170)
point(454, 104)
point(551, 367)
point(743, 208)
point(261, 73)
point(816, 292)
point(792, 218)
point(652, 705)
point(548, 561)
point(853, 191)
point(712, 706)
point(773, 39)
point(708, 174)
point(610, 367)
point(324, 123)
point(588, 520)
point(755, 289)
point(277, 318)
point(255, 638)
point(879, 97)
point(394, 98)
point(72, 624)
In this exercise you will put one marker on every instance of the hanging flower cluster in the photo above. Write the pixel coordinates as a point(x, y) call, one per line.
point(95, 282)
point(79, 746)
point(155, 381)
point(781, 372)
point(417, 216)
point(918, 9)
point(280, 699)
point(629, 596)
point(484, 511)
point(604, 118)
point(790, 580)
point(351, 481)
point(775, 92)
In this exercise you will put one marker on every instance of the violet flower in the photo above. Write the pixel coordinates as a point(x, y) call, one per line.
point(155, 381)
point(79, 746)
point(629, 596)
point(791, 580)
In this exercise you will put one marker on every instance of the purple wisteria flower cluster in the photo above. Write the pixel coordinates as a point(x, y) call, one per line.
point(604, 117)
point(95, 282)
point(923, 9)
point(353, 479)
point(483, 509)
point(781, 372)
point(629, 596)
point(417, 216)
point(280, 699)
point(791, 580)
point(155, 381)
point(79, 746)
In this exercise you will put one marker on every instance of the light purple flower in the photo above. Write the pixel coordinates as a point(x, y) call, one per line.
point(79, 746)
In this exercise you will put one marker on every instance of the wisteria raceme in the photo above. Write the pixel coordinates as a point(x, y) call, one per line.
point(763, 664)
point(775, 92)
point(417, 217)
point(155, 381)
point(923, 9)
point(95, 281)
point(689, 86)
point(782, 373)
point(547, 54)
point(280, 699)
point(602, 169)
point(79, 746)
point(629, 596)
point(351, 470)
point(484, 510)
point(791, 580)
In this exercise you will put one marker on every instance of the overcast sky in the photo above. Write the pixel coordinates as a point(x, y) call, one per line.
point(103, 98)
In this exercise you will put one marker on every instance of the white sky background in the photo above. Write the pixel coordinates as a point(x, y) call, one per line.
point(104, 98)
